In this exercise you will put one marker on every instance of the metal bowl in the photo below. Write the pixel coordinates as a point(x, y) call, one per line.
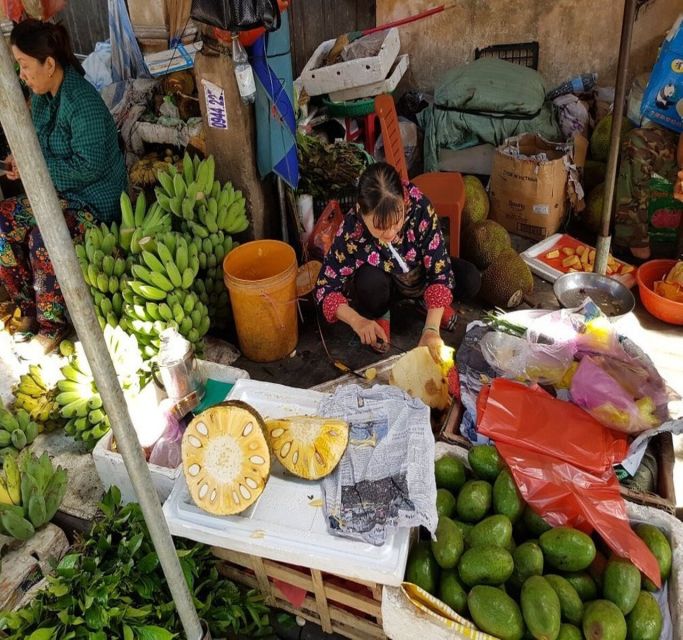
point(609, 294)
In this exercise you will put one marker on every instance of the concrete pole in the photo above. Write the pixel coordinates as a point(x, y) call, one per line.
point(18, 127)
point(604, 238)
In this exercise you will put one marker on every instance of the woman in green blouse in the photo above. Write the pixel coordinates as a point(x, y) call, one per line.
point(79, 140)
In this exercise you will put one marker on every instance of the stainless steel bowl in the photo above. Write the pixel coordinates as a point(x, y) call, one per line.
point(609, 294)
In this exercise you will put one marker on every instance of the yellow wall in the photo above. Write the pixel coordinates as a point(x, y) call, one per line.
point(574, 36)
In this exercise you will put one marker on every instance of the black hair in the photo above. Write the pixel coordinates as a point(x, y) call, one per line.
point(380, 192)
point(43, 40)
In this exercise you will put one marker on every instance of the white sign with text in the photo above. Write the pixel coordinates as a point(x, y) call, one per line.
point(215, 105)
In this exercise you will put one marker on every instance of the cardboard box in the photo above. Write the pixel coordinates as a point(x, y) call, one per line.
point(528, 185)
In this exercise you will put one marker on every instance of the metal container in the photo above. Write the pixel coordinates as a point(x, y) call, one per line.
point(176, 365)
point(613, 298)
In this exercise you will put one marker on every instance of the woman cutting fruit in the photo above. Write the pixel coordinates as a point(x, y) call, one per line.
point(79, 140)
point(390, 247)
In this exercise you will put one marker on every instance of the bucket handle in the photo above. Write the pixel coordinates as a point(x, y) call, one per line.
point(276, 313)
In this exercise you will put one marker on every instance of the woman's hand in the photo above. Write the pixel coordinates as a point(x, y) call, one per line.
point(11, 168)
point(368, 331)
point(678, 187)
point(432, 340)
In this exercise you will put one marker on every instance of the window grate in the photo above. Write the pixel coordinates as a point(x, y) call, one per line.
point(523, 53)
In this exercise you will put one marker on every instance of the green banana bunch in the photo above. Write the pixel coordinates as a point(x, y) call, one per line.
point(17, 431)
point(31, 491)
point(38, 399)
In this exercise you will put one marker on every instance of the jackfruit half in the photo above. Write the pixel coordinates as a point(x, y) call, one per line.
point(226, 461)
point(308, 446)
point(421, 376)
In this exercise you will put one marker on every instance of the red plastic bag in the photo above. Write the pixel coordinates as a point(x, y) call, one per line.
point(16, 10)
point(561, 459)
point(325, 230)
point(13, 9)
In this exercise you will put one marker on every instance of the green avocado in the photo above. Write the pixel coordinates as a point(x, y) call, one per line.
point(602, 620)
point(485, 462)
point(645, 620)
point(494, 530)
point(507, 500)
point(567, 549)
point(452, 591)
point(528, 559)
point(534, 524)
point(445, 503)
point(621, 583)
point(450, 473)
point(495, 612)
point(422, 569)
point(541, 608)
point(485, 565)
point(448, 545)
point(474, 500)
point(585, 585)
point(570, 602)
point(661, 550)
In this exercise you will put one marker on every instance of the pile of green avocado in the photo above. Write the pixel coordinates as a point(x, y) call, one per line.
point(499, 563)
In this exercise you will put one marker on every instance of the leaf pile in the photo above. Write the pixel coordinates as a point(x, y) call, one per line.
point(112, 586)
point(328, 170)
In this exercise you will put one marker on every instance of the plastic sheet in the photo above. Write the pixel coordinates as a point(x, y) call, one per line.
point(561, 459)
point(166, 451)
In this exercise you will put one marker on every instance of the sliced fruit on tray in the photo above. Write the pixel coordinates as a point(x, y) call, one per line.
point(308, 446)
point(225, 458)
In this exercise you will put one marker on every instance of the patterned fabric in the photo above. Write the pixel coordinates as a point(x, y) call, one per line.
point(420, 243)
point(79, 140)
point(25, 268)
point(643, 152)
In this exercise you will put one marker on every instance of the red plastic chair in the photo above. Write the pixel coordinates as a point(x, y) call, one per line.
point(445, 190)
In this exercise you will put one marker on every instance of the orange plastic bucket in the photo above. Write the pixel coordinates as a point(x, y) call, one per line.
point(261, 279)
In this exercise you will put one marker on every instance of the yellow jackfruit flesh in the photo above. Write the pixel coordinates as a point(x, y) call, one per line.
point(225, 456)
point(310, 447)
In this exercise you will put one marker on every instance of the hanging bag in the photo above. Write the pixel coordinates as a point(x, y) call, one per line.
point(237, 15)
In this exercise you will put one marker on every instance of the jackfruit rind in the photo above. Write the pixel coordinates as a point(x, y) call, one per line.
point(507, 280)
point(600, 140)
point(484, 241)
point(419, 375)
point(310, 447)
point(225, 456)
point(477, 204)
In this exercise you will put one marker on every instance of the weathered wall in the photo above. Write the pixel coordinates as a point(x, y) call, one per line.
point(574, 36)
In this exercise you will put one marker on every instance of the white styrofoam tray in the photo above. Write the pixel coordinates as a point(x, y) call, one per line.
point(545, 271)
point(286, 523)
point(376, 88)
point(317, 79)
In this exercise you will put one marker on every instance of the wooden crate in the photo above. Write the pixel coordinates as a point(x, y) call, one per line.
point(352, 609)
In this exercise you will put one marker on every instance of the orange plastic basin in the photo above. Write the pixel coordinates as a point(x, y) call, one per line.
point(660, 307)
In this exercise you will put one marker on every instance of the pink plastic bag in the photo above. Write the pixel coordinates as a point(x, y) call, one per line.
point(614, 394)
point(166, 450)
point(561, 459)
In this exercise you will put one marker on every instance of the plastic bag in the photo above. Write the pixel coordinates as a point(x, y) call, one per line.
point(325, 230)
point(518, 358)
point(561, 459)
point(365, 47)
point(612, 392)
point(166, 451)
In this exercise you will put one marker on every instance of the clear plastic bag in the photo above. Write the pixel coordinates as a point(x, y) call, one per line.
point(166, 451)
point(613, 393)
point(514, 357)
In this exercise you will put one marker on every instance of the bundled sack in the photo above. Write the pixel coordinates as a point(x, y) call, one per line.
point(663, 99)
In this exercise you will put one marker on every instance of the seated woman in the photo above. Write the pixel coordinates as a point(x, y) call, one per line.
point(79, 140)
point(644, 152)
point(389, 247)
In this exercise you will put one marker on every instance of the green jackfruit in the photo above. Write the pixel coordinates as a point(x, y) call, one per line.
point(477, 204)
point(506, 281)
point(601, 137)
point(592, 214)
point(484, 241)
point(593, 174)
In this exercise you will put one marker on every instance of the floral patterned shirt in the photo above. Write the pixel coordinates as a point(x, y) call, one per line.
point(420, 243)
